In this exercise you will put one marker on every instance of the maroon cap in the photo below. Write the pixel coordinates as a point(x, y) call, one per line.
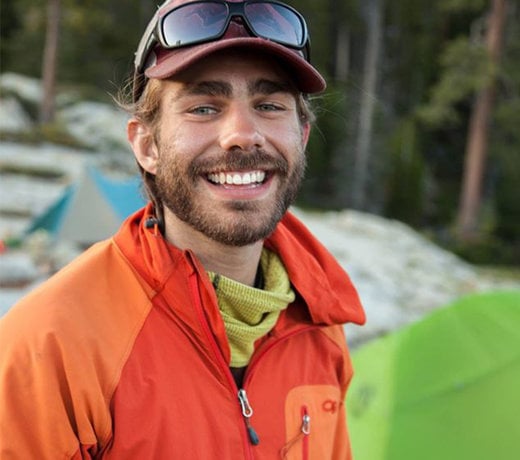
point(164, 63)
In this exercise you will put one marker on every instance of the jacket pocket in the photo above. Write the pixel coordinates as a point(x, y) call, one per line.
point(311, 422)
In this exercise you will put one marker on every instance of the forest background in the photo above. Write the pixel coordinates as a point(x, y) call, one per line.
point(420, 121)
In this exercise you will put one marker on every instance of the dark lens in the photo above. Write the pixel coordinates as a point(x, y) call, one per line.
point(276, 22)
point(194, 22)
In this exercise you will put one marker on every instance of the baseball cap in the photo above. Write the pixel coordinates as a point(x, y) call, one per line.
point(154, 60)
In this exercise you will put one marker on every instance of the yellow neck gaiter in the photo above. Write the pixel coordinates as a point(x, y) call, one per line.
point(250, 313)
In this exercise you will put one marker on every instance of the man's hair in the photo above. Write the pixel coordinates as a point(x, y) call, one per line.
point(147, 109)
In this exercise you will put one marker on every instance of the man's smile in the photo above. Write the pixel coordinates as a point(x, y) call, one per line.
point(237, 177)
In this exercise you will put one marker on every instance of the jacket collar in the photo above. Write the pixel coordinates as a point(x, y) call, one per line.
point(325, 287)
point(317, 276)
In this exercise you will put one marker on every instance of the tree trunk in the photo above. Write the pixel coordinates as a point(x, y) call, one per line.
point(478, 133)
point(374, 10)
point(50, 54)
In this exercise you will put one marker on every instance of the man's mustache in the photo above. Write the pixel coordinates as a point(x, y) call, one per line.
point(239, 160)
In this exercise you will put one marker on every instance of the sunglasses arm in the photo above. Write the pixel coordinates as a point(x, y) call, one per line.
point(147, 42)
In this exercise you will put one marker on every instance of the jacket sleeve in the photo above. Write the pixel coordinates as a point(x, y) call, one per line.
point(61, 355)
point(39, 415)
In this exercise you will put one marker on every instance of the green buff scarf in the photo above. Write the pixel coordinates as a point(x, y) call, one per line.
point(250, 313)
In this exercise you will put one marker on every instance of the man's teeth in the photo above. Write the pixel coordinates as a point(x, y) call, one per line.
point(236, 178)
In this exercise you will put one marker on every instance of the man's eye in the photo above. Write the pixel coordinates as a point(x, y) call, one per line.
point(203, 110)
point(267, 107)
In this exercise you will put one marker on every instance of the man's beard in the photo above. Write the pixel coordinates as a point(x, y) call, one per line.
point(176, 186)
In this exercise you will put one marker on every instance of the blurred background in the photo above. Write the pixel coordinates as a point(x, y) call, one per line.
point(414, 166)
point(419, 122)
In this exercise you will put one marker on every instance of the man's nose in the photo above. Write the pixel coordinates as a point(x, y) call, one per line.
point(240, 129)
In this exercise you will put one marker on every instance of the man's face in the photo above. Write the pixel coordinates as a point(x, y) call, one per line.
point(229, 148)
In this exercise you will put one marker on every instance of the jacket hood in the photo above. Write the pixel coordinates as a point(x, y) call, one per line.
point(316, 274)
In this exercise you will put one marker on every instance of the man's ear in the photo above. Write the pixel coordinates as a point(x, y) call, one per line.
point(306, 132)
point(142, 141)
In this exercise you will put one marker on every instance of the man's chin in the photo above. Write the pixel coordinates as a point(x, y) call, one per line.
point(242, 230)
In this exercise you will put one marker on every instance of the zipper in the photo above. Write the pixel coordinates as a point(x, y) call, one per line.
point(246, 432)
point(247, 412)
point(306, 431)
point(303, 435)
point(250, 433)
point(305, 425)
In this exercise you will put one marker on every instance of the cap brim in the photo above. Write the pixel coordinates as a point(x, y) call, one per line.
point(307, 79)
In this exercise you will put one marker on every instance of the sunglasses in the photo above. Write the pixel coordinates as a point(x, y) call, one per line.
point(207, 20)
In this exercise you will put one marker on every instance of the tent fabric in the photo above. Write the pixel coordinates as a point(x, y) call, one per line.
point(52, 218)
point(445, 388)
point(91, 209)
point(123, 194)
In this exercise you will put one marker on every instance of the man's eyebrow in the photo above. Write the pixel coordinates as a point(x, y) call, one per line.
point(225, 89)
point(264, 86)
point(207, 88)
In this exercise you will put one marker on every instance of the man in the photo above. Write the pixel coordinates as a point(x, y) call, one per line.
point(210, 325)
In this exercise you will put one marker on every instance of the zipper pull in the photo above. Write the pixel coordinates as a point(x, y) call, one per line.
point(306, 424)
point(305, 430)
point(247, 412)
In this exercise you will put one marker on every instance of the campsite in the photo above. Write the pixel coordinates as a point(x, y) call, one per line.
point(436, 365)
point(90, 209)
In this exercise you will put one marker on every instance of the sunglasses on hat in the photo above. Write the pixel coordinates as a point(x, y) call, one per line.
point(207, 20)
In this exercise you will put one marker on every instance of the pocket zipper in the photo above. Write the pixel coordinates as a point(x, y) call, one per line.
point(305, 431)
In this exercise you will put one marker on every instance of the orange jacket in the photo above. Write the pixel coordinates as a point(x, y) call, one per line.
point(123, 355)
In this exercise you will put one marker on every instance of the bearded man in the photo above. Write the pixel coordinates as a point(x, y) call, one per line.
point(210, 325)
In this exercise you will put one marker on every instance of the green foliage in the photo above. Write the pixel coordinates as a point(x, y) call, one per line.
point(505, 144)
point(456, 6)
point(405, 188)
point(488, 250)
point(466, 69)
point(326, 151)
point(97, 40)
point(9, 23)
point(505, 153)
point(22, 46)
point(411, 54)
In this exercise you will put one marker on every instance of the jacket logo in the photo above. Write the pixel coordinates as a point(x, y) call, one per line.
point(330, 406)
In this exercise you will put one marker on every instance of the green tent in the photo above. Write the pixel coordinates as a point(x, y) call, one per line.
point(445, 388)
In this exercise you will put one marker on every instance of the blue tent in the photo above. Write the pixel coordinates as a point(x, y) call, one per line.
point(91, 209)
point(124, 195)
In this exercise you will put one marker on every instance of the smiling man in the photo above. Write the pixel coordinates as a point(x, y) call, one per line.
point(210, 325)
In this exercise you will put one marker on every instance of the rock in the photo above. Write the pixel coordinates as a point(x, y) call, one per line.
point(27, 88)
point(96, 125)
point(399, 274)
point(13, 118)
point(17, 269)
